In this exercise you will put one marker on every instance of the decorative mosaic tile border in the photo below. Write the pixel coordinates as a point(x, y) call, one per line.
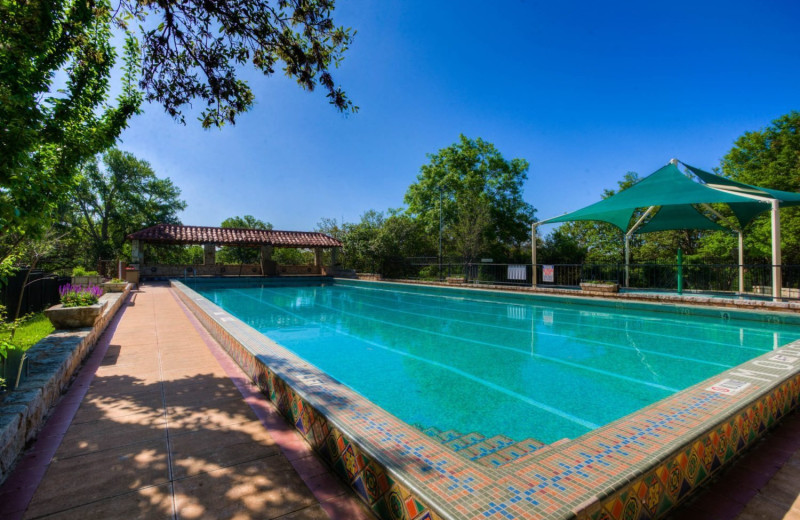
point(638, 467)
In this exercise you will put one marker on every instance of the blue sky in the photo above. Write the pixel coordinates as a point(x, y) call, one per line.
point(585, 91)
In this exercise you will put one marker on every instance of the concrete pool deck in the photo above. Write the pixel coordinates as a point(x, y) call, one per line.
point(139, 430)
point(159, 423)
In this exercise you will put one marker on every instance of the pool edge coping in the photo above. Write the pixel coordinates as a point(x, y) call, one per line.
point(590, 496)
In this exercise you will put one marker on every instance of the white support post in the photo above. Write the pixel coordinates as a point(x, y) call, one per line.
point(741, 262)
point(627, 259)
point(777, 281)
point(628, 235)
point(533, 254)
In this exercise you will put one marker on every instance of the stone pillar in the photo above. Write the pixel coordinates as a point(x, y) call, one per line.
point(137, 252)
point(209, 254)
point(318, 256)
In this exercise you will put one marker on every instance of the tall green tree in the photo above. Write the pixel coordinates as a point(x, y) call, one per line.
point(117, 196)
point(561, 247)
point(241, 255)
point(770, 158)
point(473, 172)
point(468, 233)
point(56, 62)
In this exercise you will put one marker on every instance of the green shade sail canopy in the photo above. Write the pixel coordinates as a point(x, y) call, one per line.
point(666, 187)
point(746, 211)
point(675, 197)
point(683, 216)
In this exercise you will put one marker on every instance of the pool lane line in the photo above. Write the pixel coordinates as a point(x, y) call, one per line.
point(587, 340)
point(755, 332)
point(479, 342)
point(483, 343)
point(675, 320)
point(542, 406)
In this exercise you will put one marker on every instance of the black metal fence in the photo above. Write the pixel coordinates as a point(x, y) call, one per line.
point(41, 292)
point(696, 277)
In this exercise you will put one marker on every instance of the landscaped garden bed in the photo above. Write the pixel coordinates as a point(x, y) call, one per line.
point(52, 361)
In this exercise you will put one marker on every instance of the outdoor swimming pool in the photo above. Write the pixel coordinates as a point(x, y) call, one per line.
point(494, 363)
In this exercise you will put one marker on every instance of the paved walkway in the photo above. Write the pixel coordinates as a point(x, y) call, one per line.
point(161, 424)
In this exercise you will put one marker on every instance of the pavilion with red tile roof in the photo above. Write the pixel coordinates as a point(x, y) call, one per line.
point(212, 237)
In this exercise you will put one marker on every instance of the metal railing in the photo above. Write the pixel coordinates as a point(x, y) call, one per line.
point(711, 278)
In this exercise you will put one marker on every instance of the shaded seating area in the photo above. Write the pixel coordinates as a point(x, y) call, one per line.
point(210, 238)
point(669, 199)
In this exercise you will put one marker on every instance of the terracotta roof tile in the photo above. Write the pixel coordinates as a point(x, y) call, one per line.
point(173, 234)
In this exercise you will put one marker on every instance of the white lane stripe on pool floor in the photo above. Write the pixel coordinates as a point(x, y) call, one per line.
point(547, 408)
point(474, 341)
point(554, 335)
point(663, 317)
point(567, 321)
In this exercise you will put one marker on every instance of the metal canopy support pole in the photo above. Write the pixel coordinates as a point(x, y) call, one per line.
point(533, 253)
point(741, 261)
point(627, 259)
point(440, 233)
point(777, 281)
point(628, 235)
point(741, 245)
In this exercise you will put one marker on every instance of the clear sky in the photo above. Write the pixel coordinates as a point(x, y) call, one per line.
point(585, 91)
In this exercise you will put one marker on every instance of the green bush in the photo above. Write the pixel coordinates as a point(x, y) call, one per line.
point(80, 271)
point(430, 272)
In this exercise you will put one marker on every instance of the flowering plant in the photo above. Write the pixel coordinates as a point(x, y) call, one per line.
point(79, 296)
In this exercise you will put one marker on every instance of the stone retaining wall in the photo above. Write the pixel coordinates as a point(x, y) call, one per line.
point(53, 361)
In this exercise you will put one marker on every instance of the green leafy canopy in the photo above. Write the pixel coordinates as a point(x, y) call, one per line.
point(194, 50)
point(46, 133)
point(471, 175)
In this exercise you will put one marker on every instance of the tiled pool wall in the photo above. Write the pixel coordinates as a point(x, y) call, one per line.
point(639, 467)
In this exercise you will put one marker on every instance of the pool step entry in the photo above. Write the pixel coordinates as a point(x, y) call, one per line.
point(494, 451)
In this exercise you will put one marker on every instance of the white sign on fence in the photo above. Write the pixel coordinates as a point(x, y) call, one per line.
point(547, 273)
point(517, 272)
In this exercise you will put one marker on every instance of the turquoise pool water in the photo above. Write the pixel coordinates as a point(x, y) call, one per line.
point(493, 363)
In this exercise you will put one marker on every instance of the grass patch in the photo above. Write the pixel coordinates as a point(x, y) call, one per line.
point(33, 330)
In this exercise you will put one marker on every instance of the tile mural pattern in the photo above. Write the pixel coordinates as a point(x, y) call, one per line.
point(638, 467)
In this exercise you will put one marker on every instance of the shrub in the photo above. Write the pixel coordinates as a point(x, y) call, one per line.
point(80, 271)
point(78, 296)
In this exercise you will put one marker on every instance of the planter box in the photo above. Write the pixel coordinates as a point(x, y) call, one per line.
point(600, 287)
point(114, 287)
point(86, 281)
point(74, 317)
point(132, 276)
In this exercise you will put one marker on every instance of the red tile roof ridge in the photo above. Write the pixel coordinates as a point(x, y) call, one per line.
point(178, 233)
